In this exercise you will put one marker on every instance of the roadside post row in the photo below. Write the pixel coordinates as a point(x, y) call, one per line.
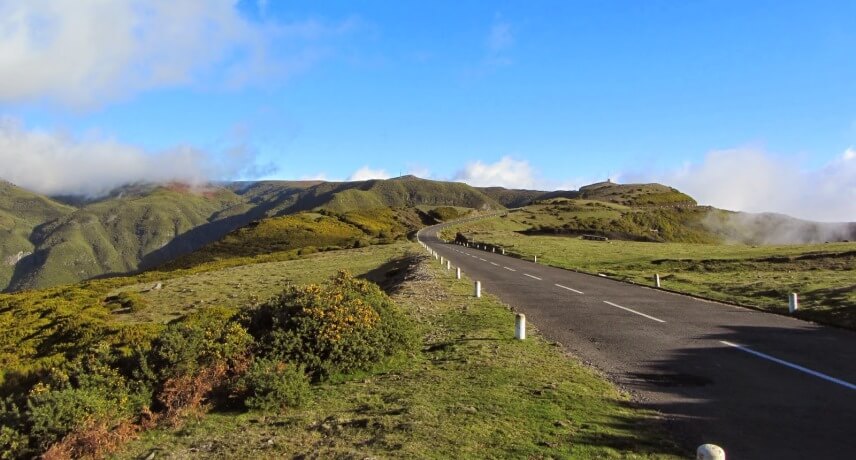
point(705, 450)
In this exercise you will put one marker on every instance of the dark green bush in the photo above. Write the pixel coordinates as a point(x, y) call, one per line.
point(343, 326)
point(200, 340)
point(272, 385)
point(90, 389)
point(13, 442)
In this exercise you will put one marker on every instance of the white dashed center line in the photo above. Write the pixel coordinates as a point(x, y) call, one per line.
point(532, 276)
point(494, 264)
point(509, 269)
point(570, 289)
point(482, 259)
point(633, 311)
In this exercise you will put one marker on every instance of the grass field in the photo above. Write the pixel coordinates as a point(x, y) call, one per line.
point(241, 285)
point(472, 391)
point(758, 276)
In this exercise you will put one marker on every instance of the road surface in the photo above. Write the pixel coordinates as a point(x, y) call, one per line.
point(760, 385)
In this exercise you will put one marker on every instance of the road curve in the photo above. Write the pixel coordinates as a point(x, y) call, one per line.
point(759, 385)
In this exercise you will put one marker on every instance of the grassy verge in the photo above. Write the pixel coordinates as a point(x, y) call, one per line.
point(758, 276)
point(470, 392)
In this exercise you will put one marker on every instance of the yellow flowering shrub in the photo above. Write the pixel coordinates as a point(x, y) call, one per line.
point(342, 326)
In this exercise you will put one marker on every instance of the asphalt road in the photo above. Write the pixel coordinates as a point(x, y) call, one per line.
point(760, 385)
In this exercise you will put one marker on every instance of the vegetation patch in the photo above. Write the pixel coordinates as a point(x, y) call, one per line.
point(469, 390)
point(261, 358)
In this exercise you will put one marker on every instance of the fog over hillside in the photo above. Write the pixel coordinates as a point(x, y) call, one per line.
point(770, 228)
point(752, 180)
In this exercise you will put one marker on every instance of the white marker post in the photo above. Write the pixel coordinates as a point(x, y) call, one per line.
point(710, 452)
point(458, 273)
point(520, 327)
point(657, 279)
point(448, 265)
point(503, 252)
point(536, 259)
point(492, 249)
point(478, 289)
point(442, 260)
point(793, 303)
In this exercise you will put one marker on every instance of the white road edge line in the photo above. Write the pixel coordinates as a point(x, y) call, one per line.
point(509, 269)
point(817, 374)
point(532, 276)
point(570, 289)
point(633, 311)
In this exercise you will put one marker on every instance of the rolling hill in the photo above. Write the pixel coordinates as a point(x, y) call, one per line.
point(46, 242)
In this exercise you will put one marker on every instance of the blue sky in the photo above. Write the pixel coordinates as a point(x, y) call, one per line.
point(547, 94)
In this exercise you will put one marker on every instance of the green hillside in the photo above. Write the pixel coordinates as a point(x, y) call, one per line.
point(144, 225)
point(574, 217)
point(512, 198)
point(21, 212)
point(636, 194)
point(121, 234)
point(308, 232)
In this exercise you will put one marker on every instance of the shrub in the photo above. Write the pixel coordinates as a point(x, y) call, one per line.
point(89, 391)
point(196, 359)
point(13, 443)
point(202, 339)
point(273, 385)
point(346, 325)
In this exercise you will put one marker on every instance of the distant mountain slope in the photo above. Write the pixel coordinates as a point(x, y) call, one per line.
point(286, 197)
point(636, 194)
point(21, 212)
point(45, 242)
point(512, 198)
point(143, 225)
point(120, 234)
point(306, 232)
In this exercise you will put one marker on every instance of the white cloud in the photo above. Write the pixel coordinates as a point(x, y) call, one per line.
point(366, 173)
point(500, 36)
point(753, 180)
point(52, 163)
point(499, 39)
point(84, 53)
point(419, 171)
point(507, 172)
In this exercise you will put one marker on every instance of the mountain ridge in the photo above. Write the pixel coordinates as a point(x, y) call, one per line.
point(47, 241)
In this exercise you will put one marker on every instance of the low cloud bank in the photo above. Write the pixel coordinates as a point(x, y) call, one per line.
point(767, 228)
point(752, 180)
point(55, 164)
point(367, 173)
point(507, 172)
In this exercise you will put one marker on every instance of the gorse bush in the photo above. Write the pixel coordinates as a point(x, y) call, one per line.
point(273, 385)
point(346, 325)
point(87, 392)
point(196, 359)
point(138, 377)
